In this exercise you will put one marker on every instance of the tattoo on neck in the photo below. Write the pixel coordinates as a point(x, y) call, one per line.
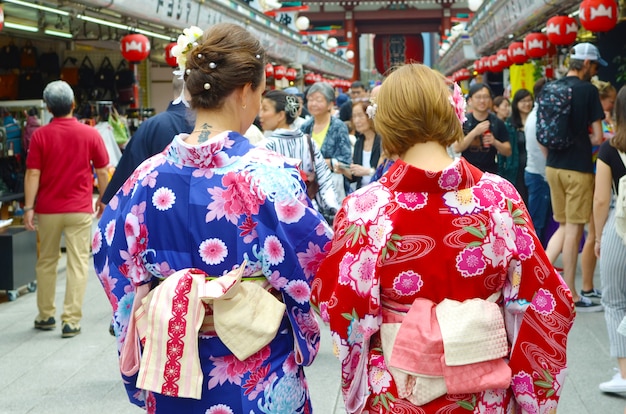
point(204, 133)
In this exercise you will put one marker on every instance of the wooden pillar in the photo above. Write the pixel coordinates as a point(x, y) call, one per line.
point(352, 38)
point(446, 17)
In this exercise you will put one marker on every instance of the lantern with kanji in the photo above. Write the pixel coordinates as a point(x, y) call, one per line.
point(392, 50)
point(291, 74)
point(269, 70)
point(536, 45)
point(463, 74)
point(561, 30)
point(478, 66)
point(169, 58)
point(598, 15)
point(494, 64)
point(135, 47)
point(503, 58)
point(486, 63)
point(279, 72)
point(309, 78)
point(517, 54)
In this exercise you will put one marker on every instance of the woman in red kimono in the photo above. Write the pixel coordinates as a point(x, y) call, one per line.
point(439, 296)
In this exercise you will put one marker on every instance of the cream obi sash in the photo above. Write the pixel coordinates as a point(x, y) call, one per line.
point(449, 348)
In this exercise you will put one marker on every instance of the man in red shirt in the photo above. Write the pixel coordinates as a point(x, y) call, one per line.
point(58, 187)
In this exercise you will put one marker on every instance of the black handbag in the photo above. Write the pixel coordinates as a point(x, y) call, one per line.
point(86, 74)
point(124, 76)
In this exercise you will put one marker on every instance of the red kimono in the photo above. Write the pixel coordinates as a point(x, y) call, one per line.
point(417, 239)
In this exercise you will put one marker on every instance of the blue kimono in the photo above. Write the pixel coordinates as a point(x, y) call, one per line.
point(211, 207)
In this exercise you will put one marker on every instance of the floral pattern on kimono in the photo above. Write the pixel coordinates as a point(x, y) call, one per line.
point(211, 207)
point(457, 234)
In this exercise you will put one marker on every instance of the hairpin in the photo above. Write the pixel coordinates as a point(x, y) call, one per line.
point(207, 86)
point(212, 65)
point(188, 71)
point(199, 55)
point(258, 56)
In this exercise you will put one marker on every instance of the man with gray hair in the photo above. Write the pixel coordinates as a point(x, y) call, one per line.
point(58, 187)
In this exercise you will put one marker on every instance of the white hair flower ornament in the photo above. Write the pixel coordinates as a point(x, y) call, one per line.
point(458, 103)
point(186, 41)
point(371, 109)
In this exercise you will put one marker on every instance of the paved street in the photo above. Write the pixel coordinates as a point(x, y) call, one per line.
point(41, 373)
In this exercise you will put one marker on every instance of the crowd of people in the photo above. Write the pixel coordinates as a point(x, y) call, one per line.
point(409, 218)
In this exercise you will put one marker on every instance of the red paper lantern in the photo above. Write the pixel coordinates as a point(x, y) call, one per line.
point(463, 74)
point(318, 77)
point(1, 18)
point(135, 47)
point(561, 30)
point(279, 72)
point(503, 59)
point(291, 74)
point(598, 15)
point(536, 45)
point(169, 58)
point(517, 54)
point(269, 70)
point(309, 78)
point(392, 50)
point(494, 64)
point(486, 63)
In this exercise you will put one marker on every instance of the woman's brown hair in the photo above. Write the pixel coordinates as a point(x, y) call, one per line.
point(619, 139)
point(227, 57)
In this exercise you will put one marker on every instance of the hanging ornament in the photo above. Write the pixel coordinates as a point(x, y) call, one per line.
point(503, 59)
point(561, 30)
point(598, 15)
point(463, 74)
point(269, 70)
point(135, 47)
point(279, 72)
point(536, 45)
point(494, 64)
point(302, 23)
point(517, 54)
point(291, 74)
point(309, 78)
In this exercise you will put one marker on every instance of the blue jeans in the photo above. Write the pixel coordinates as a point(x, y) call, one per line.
point(539, 205)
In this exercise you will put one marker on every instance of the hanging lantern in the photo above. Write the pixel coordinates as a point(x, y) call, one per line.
point(1, 18)
point(269, 70)
point(318, 77)
point(503, 59)
point(598, 15)
point(169, 58)
point(291, 74)
point(536, 45)
point(349, 54)
point(486, 63)
point(392, 50)
point(279, 72)
point(463, 74)
point(561, 30)
point(478, 66)
point(302, 23)
point(517, 54)
point(494, 64)
point(474, 5)
point(135, 47)
point(309, 78)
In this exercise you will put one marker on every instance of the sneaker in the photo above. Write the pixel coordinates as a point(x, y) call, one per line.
point(69, 331)
point(617, 384)
point(47, 325)
point(586, 305)
point(593, 293)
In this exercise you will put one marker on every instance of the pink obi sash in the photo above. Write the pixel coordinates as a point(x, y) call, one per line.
point(167, 320)
point(449, 348)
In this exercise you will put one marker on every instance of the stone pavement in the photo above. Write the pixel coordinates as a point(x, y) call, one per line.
point(41, 373)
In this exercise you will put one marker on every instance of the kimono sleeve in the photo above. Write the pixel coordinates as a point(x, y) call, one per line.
point(539, 313)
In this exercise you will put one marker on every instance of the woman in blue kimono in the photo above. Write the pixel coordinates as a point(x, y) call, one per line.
point(215, 204)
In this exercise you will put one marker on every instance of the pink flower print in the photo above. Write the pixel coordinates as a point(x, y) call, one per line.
point(324, 312)
point(163, 199)
point(240, 196)
point(255, 381)
point(219, 409)
point(522, 383)
point(289, 212)
point(524, 242)
point(509, 190)
point(407, 283)
point(114, 202)
point(96, 242)
point(277, 280)
point(461, 201)
point(450, 179)
point(213, 251)
point(344, 269)
point(367, 205)
point(290, 366)
point(361, 272)
point(379, 379)
point(412, 201)
point(488, 196)
point(139, 210)
point(248, 230)
point(150, 179)
point(495, 249)
point(310, 259)
point(109, 232)
point(299, 290)
point(274, 251)
point(200, 172)
point(470, 262)
point(543, 302)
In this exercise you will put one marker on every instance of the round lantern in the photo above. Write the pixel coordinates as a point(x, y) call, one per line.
point(486, 63)
point(309, 78)
point(318, 77)
point(135, 47)
point(279, 72)
point(503, 59)
point(536, 45)
point(332, 42)
point(598, 15)
point(474, 5)
point(169, 58)
point(269, 70)
point(561, 30)
point(291, 74)
point(463, 74)
point(478, 66)
point(349, 54)
point(302, 23)
point(517, 54)
point(494, 64)
point(392, 50)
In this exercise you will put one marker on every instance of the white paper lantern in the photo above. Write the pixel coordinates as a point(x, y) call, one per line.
point(474, 5)
point(302, 23)
point(349, 54)
point(332, 43)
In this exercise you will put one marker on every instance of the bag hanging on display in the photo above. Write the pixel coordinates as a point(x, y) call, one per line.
point(8, 86)
point(31, 85)
point(125, 83)
point(49, 65)
point(28, 56)
point(86, 74)
point(69, 71)
point(10, 56)
point(105, 79)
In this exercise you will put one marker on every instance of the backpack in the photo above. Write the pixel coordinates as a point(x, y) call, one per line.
point(553, 112)
point(620, 203)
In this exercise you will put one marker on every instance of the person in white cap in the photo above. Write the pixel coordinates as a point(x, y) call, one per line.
point(569, 171)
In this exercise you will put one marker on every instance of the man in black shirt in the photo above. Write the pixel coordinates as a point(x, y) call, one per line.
point(485, 134)
point(569, 171)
